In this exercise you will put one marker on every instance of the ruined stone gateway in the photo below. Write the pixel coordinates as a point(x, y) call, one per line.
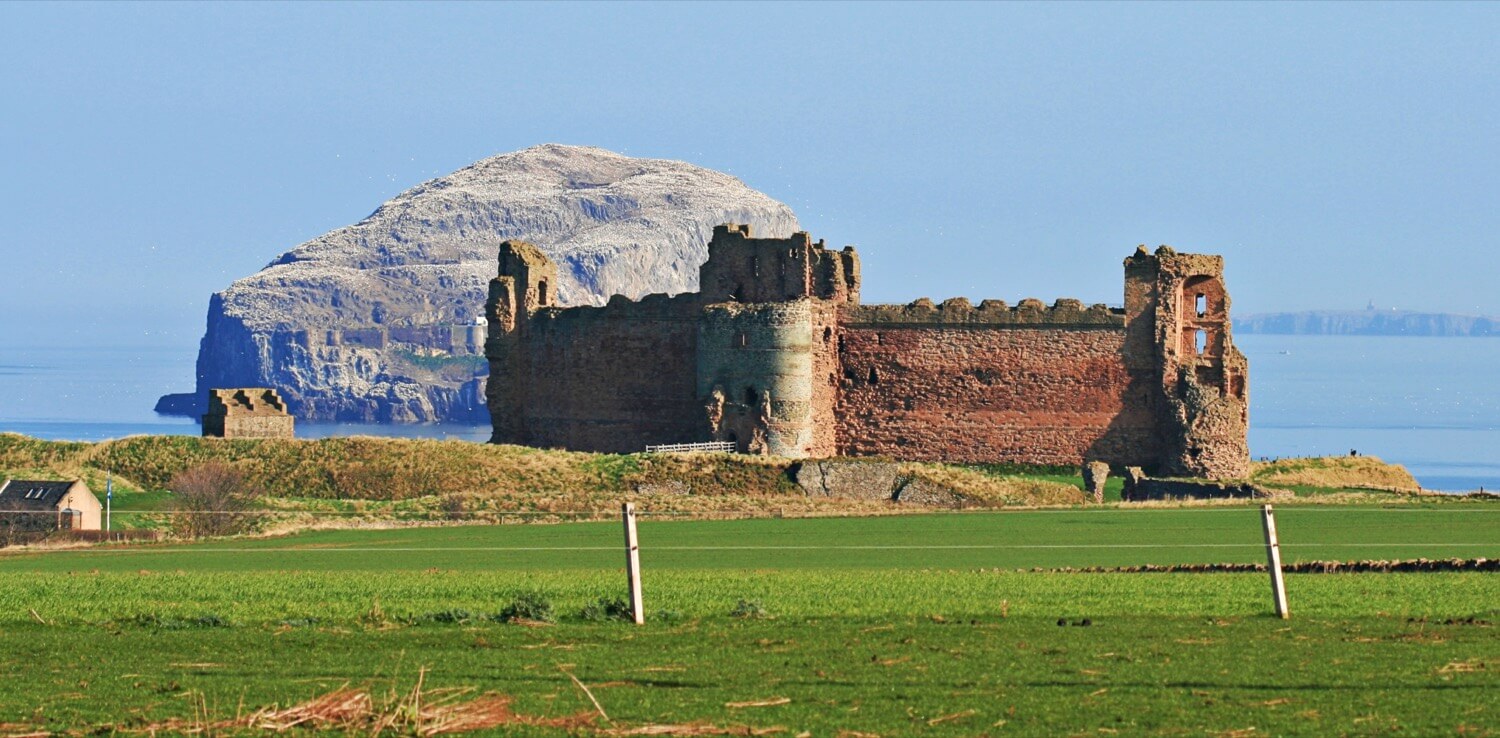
point(777, 355)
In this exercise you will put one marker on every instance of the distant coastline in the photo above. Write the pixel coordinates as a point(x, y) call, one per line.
point(1368, 322)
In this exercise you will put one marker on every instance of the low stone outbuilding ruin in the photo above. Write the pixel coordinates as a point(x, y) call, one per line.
point(42, 505)
point(247, 412)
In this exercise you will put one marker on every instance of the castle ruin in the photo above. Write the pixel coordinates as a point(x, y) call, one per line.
point(247, 412)
point(776, 354)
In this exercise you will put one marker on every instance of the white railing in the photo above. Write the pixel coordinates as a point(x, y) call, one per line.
point(727, 447)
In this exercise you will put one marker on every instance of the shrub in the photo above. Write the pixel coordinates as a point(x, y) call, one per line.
point(605, 609)
point(528, 606)
point(453, 507)
point(20, 525)
point(455, 615)
point(213, 499)
point(748, 610)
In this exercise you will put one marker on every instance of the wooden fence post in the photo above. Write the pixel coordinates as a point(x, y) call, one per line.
point(1273, 562)
point(633, 565)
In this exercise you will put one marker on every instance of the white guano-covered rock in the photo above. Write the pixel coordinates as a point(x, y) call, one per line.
point(612, 223)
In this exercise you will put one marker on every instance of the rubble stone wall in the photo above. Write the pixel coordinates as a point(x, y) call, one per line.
point(612, 378)
point(974, 393)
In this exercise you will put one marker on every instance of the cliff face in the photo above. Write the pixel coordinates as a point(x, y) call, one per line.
point(1368, 323)
point(375, 322)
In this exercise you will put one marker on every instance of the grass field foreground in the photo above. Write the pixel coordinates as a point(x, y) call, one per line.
point(852, 626)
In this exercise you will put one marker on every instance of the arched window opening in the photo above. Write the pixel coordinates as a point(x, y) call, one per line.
point(1205, 294)
point(874, 376)
point(541, 293)
point(1200, 341)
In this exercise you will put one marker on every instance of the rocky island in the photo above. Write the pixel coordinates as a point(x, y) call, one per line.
point(1368, 322)
point(381, 321)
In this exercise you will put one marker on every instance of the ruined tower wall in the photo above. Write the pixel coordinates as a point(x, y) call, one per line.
point(758, 370)
point(610, 379)
point(1202, 375)
point(247, 412)
point(1030, 384)
point(744, 269)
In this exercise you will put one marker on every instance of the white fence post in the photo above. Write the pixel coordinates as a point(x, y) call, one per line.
point(1273, 562)
point(633, 565)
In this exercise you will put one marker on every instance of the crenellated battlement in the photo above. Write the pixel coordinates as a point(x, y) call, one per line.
point(1064, 314)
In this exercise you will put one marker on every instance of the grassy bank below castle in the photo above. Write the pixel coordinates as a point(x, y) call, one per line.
point(383, 476)
point(411, 479)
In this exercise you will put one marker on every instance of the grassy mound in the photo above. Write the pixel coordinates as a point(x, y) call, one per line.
point(1335, 472)
point(483, 476)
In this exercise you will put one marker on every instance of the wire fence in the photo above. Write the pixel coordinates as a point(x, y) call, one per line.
point(596, 515)
point(1131, 556)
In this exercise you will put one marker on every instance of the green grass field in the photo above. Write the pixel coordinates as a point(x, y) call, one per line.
point(901, 625)
point(1020, 539)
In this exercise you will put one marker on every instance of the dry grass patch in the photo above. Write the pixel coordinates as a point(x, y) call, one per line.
point(990, 490)
point(1335, 472)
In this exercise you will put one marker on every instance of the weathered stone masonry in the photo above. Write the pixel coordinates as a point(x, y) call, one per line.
point(776, 354)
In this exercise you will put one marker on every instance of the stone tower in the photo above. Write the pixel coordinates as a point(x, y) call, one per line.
point(765, 336)
point(526, 281)
point(1178, 341)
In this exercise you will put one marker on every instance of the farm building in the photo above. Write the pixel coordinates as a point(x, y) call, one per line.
point(48, 505)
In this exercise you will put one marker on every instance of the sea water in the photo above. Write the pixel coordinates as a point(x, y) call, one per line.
point(1431, 404)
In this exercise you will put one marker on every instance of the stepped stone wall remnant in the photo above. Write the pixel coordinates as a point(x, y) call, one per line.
point(776, 354)
point(247, 412)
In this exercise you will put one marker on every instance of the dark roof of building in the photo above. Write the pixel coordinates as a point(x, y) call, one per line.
point(33, 494)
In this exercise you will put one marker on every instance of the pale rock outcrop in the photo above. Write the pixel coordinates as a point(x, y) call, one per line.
point(367, 323)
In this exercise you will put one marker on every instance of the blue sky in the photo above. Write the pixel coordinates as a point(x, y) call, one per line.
point(1335, 153)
